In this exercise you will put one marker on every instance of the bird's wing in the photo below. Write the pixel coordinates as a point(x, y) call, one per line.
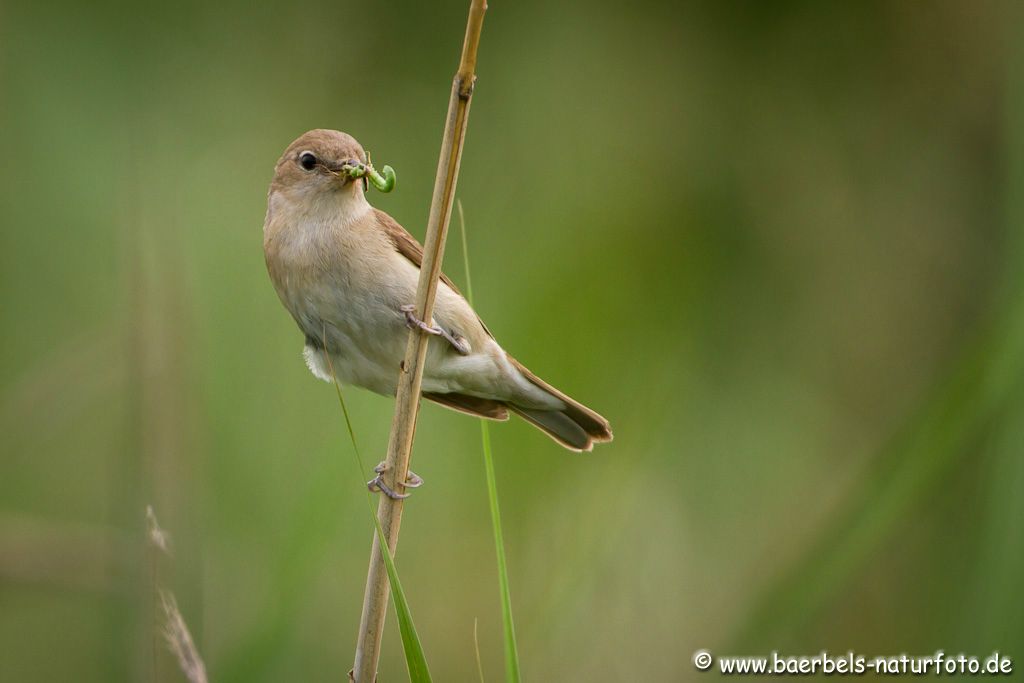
point(410, 248)
point(470, 405)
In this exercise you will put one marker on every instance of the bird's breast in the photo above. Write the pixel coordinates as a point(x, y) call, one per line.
point(337, 272)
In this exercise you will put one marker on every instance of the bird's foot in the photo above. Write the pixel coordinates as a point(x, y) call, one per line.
point(412, 481)
point(457, 341)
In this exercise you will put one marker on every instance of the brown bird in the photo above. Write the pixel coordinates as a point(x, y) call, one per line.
point(348, 272)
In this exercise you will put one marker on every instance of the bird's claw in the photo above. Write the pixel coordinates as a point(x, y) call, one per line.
point(413, 481)
point(457, 341)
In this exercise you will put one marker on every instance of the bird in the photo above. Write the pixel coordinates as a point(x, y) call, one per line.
point(347, 273)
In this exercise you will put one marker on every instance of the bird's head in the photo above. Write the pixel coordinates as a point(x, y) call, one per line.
point(313, 166)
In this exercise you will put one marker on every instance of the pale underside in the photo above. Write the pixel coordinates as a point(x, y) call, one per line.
point(342, 279)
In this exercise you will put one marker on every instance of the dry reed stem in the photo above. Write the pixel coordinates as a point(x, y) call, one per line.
point(407, 400)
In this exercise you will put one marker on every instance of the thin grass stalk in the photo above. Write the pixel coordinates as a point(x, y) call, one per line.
point(407, 399)
point(176, 634)
point(179, 640)
point(476, 650)
point(511, 649)
point(508, 625)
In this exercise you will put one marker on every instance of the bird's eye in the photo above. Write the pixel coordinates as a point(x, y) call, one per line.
point(307, 160)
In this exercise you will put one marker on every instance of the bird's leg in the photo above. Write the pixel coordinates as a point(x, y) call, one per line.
point(413, 481)
point(457, 341)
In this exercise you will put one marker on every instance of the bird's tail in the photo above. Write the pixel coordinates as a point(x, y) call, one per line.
point(576, 426)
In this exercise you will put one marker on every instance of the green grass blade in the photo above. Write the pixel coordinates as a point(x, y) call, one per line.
point(912, 466)
point(983, 388)
point(476, 649)
point(508, 625)
point(415, 658)
point(998, 622)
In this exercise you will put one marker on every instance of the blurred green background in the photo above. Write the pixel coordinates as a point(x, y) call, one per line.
point(777, 244)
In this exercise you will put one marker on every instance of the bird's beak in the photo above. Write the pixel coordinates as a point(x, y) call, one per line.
point(344, 173)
